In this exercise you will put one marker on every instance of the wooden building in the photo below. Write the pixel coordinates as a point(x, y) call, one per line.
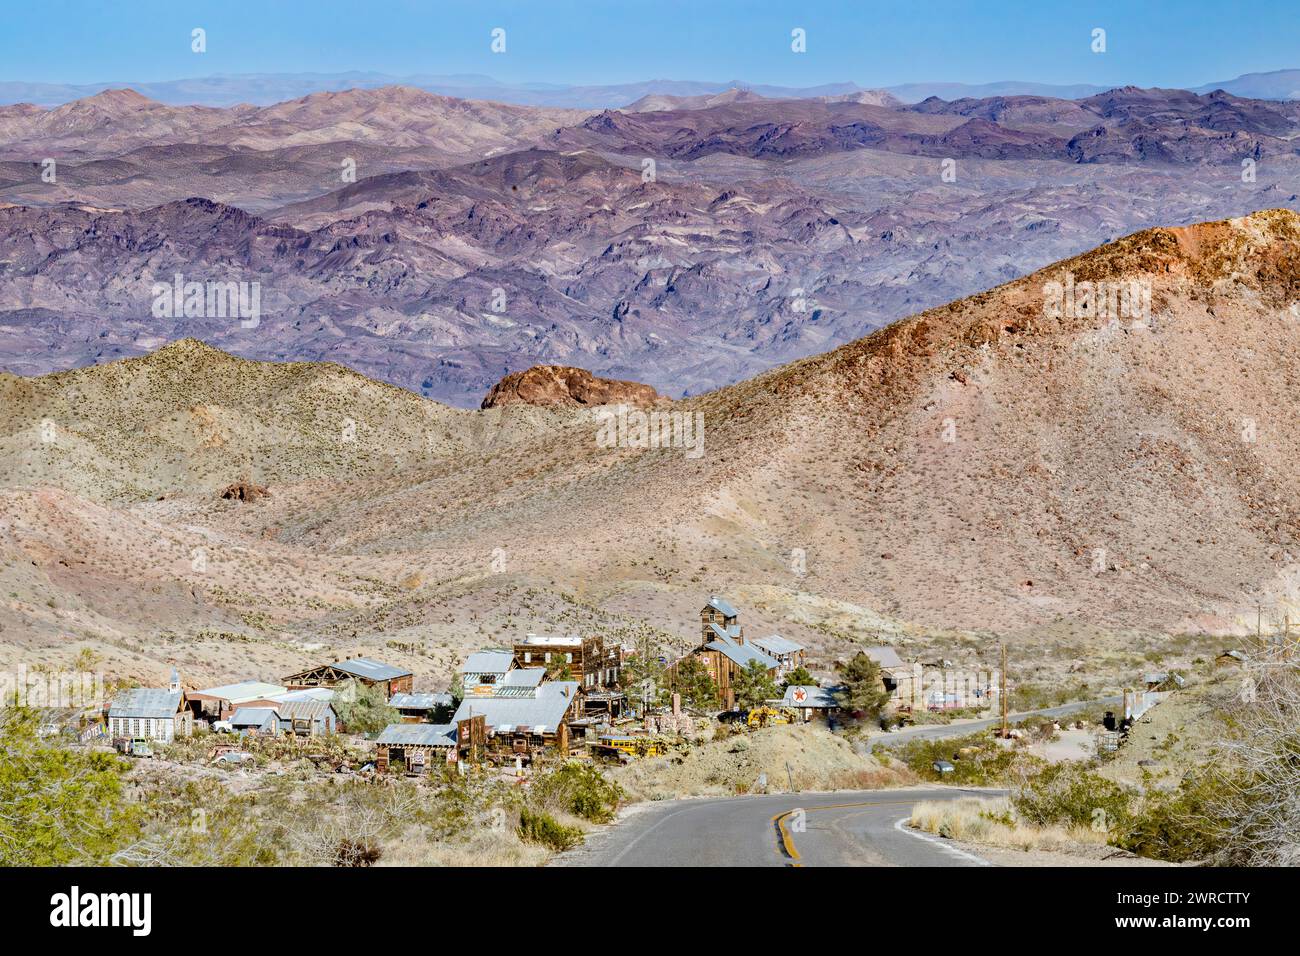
point(416, 748)
point(524, 715)
point(393, 680)
point(720, 614)
point(723, 650)
point(150, 713)
point(595, 666)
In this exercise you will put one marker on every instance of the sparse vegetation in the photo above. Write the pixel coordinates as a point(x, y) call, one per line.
point(363, 708)
point(59, 806)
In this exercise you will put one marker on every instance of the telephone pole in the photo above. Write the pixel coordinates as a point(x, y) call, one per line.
point(1002, 690)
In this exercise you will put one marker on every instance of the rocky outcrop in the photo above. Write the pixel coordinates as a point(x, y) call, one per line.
point(560, 386)
point(245, 490)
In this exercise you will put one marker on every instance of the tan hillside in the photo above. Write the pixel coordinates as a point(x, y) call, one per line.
point(189, 418)
point(1103, 477)
point(1079, 443)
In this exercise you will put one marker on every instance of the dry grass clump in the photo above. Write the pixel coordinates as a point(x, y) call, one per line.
point(993, 822)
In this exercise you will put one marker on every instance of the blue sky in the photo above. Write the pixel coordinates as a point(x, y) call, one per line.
point(1150, 42)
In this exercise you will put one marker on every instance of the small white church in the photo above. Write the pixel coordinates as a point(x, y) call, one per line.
point(151, 713)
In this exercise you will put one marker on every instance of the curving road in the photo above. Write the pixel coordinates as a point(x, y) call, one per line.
point(845, 828)
point(934, 731)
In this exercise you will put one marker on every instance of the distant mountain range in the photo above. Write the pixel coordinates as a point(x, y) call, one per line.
point(688, 241)
point(266, 88)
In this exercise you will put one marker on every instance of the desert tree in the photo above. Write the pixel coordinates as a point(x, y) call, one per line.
point(1261, 772)
point(862, 689)
point(753, 685)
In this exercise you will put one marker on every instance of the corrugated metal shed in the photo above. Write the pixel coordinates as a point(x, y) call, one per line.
point(369, 669)
point(488, 662)
point(244, 690)
point(776, 644)
point(146, 702)
point(304, 709)
point(542, 712)
point(422, 701)
point(721, 604)
point(418, 735)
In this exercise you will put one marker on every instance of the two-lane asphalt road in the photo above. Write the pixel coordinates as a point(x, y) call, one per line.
point(934, 731)
point(846, 828)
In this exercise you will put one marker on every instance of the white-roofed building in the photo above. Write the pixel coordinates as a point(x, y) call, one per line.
point(524, 714)
point(787, 653)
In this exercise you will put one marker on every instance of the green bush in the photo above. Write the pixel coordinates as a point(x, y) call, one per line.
point(59, 806)
point(1185, 825)
point(1071, 795)
point(579, 789)
point(992, 765)
point(536, 826)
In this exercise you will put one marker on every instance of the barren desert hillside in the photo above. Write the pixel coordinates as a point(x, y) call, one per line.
point(1012, 464)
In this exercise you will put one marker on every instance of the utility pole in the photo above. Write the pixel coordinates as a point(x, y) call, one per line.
point(1002, 690)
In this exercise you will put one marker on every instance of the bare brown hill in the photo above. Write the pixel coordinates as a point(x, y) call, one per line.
point(560, 386)
point(979, 465)
point(1011, 464)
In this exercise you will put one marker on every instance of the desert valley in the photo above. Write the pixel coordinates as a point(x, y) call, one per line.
point(615, 474)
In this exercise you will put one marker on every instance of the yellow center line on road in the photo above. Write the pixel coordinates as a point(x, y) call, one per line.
point(786, 844)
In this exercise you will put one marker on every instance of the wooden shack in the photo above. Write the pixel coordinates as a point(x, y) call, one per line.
point(415, 748)
point(524, 716)
point(393, 680)
point(588, 660)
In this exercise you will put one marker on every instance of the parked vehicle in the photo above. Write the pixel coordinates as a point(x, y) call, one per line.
point(222, 727)
point(235, 758)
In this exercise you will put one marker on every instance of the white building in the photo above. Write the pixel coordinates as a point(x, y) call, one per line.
point(151, 713)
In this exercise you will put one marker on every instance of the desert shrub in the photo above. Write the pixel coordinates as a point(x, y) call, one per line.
point(579, 789)
point(191, 823)
point(463, 803)
point(1071, 795)
point(537, 826)
point(989, 765)
point(58, 806)
point(1260, 743)
point(357, 853)
point(1185, 825)
point(1030, 696)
